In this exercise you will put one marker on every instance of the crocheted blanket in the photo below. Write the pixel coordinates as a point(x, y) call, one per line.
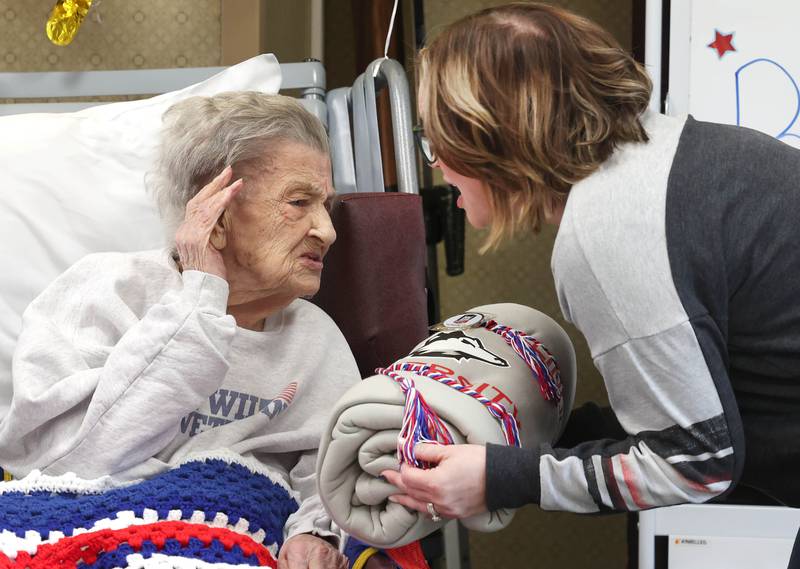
point(214, 511)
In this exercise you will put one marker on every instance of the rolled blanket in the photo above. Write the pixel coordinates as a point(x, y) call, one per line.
point(500, 373)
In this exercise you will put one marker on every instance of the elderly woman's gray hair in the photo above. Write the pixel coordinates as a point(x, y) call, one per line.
point(202, 135)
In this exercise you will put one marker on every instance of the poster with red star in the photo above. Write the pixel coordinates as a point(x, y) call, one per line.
point(723, 43)
point(735, 62)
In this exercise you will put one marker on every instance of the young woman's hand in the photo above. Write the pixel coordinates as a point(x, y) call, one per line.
point(193, 238)
point(456, 486)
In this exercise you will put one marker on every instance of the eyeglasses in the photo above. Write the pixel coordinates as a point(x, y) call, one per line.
point(425, 146)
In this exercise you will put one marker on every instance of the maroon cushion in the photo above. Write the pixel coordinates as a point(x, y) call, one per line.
point(373, 284)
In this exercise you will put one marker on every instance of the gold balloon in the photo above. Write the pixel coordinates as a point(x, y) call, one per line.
point(65, 19)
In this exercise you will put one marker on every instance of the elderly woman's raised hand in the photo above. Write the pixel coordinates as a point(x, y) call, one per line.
point(193, 239)
point(306, 551)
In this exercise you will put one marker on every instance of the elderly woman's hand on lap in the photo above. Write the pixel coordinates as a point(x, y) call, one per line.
point(306, 551)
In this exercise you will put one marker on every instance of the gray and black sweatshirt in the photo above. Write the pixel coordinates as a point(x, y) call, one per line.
point(679, 260)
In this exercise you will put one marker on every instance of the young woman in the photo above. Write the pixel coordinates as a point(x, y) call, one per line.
point(676, 256)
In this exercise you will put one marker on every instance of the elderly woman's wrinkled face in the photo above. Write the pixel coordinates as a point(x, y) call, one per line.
point(280, 228)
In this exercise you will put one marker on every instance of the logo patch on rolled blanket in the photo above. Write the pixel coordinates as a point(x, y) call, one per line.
point(437, 394)
point(458, 346)
point(216, 511)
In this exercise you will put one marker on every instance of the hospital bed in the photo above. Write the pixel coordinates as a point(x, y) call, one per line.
point(374, 288)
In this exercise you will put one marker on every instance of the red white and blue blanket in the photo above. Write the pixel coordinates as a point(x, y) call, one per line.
point(220, 511)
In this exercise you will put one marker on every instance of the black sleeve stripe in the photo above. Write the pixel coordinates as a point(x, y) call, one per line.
point(704, 438)
point(709, 437)
point(707, 472)
point(617, 500)
point(591, 479)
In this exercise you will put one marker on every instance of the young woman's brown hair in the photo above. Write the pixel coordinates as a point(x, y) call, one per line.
point(531, 99)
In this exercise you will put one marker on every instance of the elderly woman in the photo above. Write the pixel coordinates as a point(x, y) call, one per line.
point(128, 363)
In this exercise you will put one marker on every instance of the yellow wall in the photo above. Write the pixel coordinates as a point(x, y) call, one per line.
point(130, 35)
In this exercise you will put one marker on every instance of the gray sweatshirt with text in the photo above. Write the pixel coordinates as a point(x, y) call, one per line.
point(125, 366)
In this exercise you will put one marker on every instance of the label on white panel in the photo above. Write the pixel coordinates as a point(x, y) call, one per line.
point(704, 552)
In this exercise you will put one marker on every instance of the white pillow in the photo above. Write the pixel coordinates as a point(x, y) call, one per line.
point(73, 184)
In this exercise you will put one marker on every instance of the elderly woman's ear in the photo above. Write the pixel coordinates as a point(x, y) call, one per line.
point(218, 237)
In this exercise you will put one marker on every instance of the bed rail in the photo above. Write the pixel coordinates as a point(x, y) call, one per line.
point(357, 159)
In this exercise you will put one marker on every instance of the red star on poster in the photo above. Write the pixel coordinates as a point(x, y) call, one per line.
point(723, 43)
